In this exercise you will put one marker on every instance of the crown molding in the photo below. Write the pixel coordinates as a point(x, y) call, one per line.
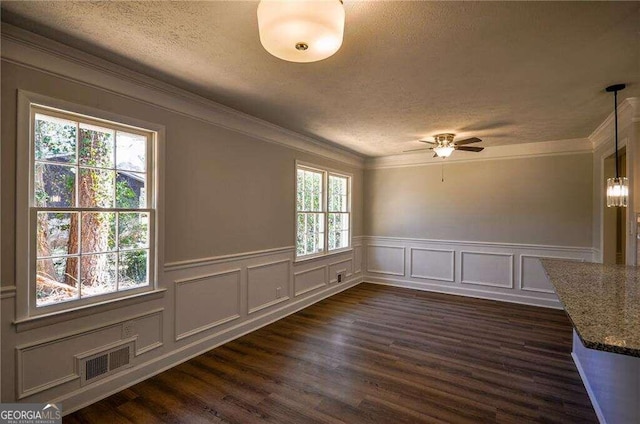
point(27, 49)
point(512, 151)
point(628, 112)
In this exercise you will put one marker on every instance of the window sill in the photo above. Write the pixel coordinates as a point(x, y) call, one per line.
point(36, 321)
point(312, 258)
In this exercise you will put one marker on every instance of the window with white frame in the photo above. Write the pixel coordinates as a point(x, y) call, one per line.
point(323, 216)
point(92, 209)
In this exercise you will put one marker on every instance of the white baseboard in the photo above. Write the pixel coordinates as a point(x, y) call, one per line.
point(463, 291)
point(83, 397)
point(592, 396)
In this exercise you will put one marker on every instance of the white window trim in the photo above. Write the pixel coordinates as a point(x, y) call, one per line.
point(326, 171)
point(25, 248)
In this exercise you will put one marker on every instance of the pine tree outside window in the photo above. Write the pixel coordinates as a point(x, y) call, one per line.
point(91, 202)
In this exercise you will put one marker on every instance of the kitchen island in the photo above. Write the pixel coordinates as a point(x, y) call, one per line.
point(603, 304)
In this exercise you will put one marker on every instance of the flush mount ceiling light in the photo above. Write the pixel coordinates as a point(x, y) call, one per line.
point(618, 187)
point(301, 30)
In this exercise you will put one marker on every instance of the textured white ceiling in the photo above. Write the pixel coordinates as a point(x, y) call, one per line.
point(507, 72)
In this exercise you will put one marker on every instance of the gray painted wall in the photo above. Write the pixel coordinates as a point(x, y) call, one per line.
point(225, 192)
point(538, 200)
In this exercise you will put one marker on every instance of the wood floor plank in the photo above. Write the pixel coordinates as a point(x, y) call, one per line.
point(374, 354)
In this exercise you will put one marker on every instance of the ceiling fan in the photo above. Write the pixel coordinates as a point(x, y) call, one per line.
point(444, 145)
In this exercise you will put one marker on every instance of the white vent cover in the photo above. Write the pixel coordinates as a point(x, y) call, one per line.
point(96, 365)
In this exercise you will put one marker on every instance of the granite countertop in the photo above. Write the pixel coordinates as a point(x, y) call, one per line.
point(602, 301)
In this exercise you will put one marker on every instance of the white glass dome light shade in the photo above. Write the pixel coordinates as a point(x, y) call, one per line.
point(443, 151)
point(301, 30)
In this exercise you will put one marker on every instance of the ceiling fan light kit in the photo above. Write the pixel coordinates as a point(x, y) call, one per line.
point(444, 145)
point(443, 151)
point(301, 30)
point(618, 187)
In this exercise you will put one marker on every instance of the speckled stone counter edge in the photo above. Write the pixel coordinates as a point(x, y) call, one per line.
point(587, 343)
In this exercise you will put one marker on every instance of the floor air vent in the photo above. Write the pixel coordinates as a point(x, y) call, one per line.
point(110, 359)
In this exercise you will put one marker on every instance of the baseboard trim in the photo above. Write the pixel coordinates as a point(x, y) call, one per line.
point(464, 291)
point(585, 382)
point(88, 395)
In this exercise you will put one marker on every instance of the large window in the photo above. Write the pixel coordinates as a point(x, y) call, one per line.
point(323, 217)
point(92, 209)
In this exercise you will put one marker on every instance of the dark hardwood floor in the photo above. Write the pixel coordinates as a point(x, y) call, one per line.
point(374, 354)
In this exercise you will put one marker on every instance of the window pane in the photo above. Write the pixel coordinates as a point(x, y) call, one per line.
point(96, 146)
point(131, 151)
point(133, 269)
point(300, 190)
point(133, 230)
point(96, 188)
point(54, 185)
point(308, 191)
point(332, 240)
point(317, 192)
point(98, 232)
point(55, 139)
point(338, 230)
point(56, 280)
point(98, 274)
point(338, 193)
point(310, 233)
point(57, 233)
point(130, 190)
point(300, 234)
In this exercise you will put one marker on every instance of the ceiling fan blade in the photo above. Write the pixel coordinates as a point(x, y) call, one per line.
point(435, 155)
point(415, 150)
point(467, 141)
point(427, 141)
point(469, 148)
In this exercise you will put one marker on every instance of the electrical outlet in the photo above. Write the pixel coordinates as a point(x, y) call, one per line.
point(341, 276)
point(278, 292)
point(128, 329)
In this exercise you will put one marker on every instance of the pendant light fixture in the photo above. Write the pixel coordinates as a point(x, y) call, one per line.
point(301, 30)
point(618, 187)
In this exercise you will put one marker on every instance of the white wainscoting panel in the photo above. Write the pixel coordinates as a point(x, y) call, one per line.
point(309, 280)
point(338, 266)
point(206, 301)
point(432, 264)
point(268, 284)
point(487, 269)
point(500, 271)
point(532, 275)
point(384, 259)
point(212, 301)
point(148, 330)
point(34, 360)
point(35, 373)
point(357, 258)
